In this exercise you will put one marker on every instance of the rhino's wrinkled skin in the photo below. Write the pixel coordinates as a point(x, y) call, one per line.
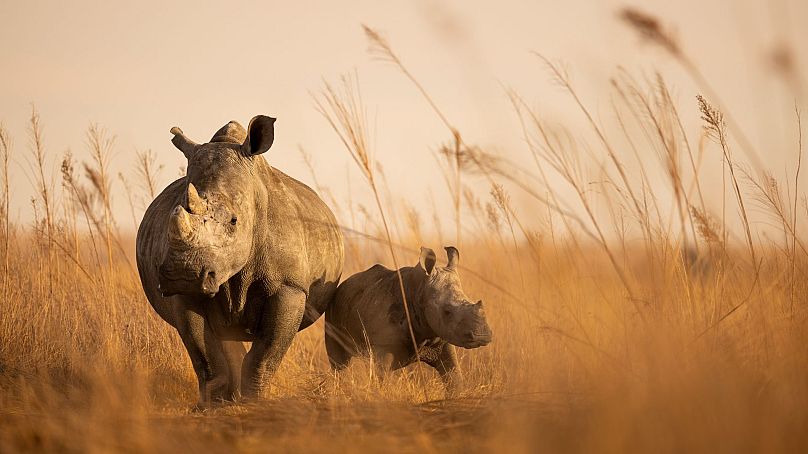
point(367, 316)
point(237, 251)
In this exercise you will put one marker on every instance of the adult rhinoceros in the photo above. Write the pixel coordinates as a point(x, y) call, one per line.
point(237, 251)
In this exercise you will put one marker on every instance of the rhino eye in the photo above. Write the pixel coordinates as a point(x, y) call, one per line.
point(447, 312)
point(233, 220)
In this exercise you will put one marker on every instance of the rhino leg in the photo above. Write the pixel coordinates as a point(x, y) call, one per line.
point(445, 362)
point(277, 328)
point(234, 351)
point(336, 346)
point(208, 359)
point(383, 364)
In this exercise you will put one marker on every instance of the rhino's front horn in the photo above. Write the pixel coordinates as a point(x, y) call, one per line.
point(179, 226)
point(196, 204)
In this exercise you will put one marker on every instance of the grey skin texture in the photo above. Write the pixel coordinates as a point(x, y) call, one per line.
point(367, 317)
point(237, 251)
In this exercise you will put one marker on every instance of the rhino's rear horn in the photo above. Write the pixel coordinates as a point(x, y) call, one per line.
point(179, 225)
point(196, 204)
point(183, 143)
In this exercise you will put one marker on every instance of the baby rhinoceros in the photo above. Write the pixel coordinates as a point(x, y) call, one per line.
point(367, 317)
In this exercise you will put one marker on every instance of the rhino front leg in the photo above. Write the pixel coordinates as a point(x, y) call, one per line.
point(235, 352)
point(278, 325)
point(208, 359)
point(382, 364)
point(445, 362)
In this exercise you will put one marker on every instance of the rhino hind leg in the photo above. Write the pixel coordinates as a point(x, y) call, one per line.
point(321, 293)
point(277, 328)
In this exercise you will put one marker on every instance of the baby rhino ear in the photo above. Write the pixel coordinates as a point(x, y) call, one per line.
point(427, 259)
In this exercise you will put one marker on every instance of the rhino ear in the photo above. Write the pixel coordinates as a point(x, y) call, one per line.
point(454, 257)
point(183, 143)
point(427, 259)
point(260, 135)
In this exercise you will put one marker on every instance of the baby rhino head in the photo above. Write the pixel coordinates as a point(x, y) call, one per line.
point(448, 310)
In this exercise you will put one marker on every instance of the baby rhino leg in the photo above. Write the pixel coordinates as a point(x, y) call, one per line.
point(382, 364)
point(444, 359)
point(338, 354)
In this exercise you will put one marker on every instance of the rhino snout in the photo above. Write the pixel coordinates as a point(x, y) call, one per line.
point(209, 284)
point(478, 338)
point(187, 282)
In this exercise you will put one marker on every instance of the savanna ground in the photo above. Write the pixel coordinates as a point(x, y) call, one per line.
point(625, 319)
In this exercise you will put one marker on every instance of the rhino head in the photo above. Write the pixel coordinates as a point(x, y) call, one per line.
point(210, 232)
point(447, 309)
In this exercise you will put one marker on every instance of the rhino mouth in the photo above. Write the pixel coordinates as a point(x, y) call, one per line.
point(476, 340)
point(204, 283)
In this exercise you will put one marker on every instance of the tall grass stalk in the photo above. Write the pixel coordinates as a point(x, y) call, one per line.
point(651, 29)
point(148, 171)
point(43, 185)
point(382, 49)
point(794, 214)
point(5, 156)
point(345, 113)
point(714, 122)
point(101, 149)
point(130, 198)
point(567, 166)
point(82, 197)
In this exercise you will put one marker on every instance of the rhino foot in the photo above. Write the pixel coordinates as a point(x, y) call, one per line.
point(199, 407)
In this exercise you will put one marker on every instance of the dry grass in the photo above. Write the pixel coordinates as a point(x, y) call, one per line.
point(621, 324)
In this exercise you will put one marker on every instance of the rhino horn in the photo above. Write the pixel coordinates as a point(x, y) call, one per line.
point(183, 143)
point(196, 205)
point(179, 226)
point(454, 257)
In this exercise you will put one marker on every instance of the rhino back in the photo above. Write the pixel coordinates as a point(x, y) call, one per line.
point(296, 213)
point(300, 243)
point(368, 304)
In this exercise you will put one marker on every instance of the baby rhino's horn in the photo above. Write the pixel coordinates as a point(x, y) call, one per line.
point(454, 257)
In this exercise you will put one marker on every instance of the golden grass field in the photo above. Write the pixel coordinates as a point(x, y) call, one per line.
point(623, 320)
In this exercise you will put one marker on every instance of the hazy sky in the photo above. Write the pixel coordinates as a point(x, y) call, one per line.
point(138, 68)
